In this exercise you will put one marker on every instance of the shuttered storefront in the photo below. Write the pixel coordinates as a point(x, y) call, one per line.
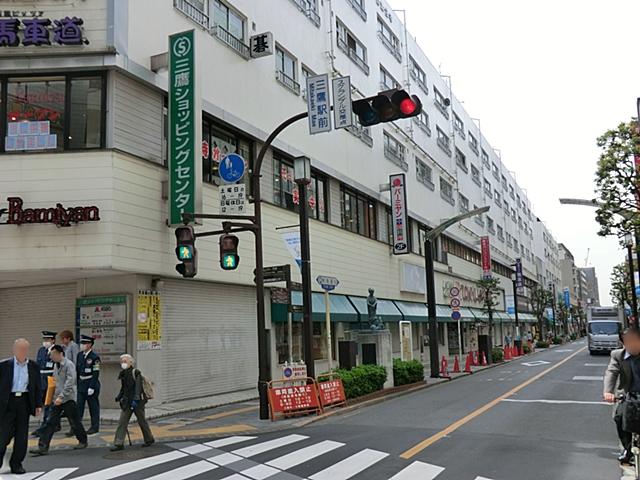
point(25, 312)
point(209, 339)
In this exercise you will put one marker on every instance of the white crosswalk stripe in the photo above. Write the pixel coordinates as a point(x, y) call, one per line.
point(223, 442)
point(132, 467)
point(304, 455)
point(263, 447)
point(187, 471)
point(350, 466)
point(26, 476)
point(419, 470)
point(57, 474)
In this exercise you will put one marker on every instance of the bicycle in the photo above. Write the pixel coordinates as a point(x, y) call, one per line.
point(635, 450)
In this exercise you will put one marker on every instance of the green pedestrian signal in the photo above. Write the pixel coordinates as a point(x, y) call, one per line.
point(230, 262)
point(186, 252)
point(229, 258)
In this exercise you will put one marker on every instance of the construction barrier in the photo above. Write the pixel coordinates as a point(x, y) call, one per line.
point(484, 359)
point(293, 398)
point(331, 392)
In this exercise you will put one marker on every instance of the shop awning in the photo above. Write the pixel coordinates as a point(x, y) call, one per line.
point(387, 310)
point(412, 311)
point(502, 317)
point(527, 318)
point(443, 314)
point(340, 308)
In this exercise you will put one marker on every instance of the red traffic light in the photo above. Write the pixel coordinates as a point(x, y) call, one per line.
point(408, 106)
point(387, 106)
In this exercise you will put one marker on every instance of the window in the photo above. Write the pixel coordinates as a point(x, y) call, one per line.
point(358, 213)
point(53, 112)
point(441, 102)
point(358, 6)
point(229, 27)
point(389, 39)
point(446, 191)
point(464, 203)
point(443, 141)
point(519, 221)
point(457, 249)
point(513, 214)
point(504, 182)
point(310, 10)
point(497, 197)
point(511, 192)
point(490, 225)
point(423, 122)
point(306, 72)
point(285, 190)
point(487, 188)
point(500, 233)
point(424, 174)
point(515, 247)
point(509, 240)
point(394, 151)
point(387, 82)
point(475, 175)
point(458, 124)
point(220, 142)
point(495, 170)
point(349, 44)
point(479, 219)
point(418, 74)
point(461, 160)
point(286, 70)
point(485, 159)
point(473, 143)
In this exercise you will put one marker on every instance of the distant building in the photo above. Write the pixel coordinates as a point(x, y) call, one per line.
point(592, 296)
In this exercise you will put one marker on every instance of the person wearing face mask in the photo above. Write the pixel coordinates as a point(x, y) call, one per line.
point(88, 369)
point(43, 359)
point(131, 400)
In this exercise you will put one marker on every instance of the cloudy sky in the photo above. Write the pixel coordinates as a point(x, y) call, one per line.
point(545, 78)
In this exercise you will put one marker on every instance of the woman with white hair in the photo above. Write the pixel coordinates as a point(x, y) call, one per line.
point(131, 399)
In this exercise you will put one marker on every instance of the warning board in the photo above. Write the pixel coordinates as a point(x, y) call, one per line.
point(290, 399)
point(332, 393)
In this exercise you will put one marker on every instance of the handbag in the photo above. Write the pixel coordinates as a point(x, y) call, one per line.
point(51, 389)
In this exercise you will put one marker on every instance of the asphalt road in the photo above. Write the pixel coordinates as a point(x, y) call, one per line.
point(535, 418)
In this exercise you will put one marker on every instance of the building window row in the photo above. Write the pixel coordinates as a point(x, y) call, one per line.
point(461, 161)
point(475, 175)
point(351, 46)
point(473, 143)
point(286, 193)
point(395, 151)
point(389, 39)
point(441, 102)
point(358, 213)
point(287, 70)
point(446, 191)
point(359, 7)
point(443, 141)
point(458, 125)
point(387, 82)
point(417, 73)
point(424, 174)
point(422, 120)
point(310, 10)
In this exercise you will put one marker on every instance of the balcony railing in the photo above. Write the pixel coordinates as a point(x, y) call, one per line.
point(359, 9)
point(351, 53)
point(420, 83)
point(396, 157)
point(423, 126)
point(288, 82)
point(423, 179)
point(393, 48)
point(230, 40)
point(190, 10)
point(444, 146)
point(309, 10)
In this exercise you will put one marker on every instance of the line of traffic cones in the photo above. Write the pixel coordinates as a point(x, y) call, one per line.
point(456, 365)
point(467, 365)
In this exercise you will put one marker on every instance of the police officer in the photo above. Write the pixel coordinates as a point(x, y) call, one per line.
point(88, 368)
point(43, 359)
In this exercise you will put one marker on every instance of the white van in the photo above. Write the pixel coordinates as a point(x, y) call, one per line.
point(604, 325)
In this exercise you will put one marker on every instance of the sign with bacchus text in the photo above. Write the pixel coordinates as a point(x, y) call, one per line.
point(318, 104)
point(59, 215)
point(400, 224)
point(185, 150)
point(342, 113)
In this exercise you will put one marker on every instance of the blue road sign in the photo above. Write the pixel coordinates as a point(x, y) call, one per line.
point(455, 315)
point(567, 298)
point(638, 291)
point(232, 167)
point(327, 283)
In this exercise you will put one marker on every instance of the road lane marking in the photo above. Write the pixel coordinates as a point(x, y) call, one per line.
point(260, 472)
point(223, 442)
point(476, 413)
point(193, 449)
point(224, 459)
point(565, 350)
point(351, 466)
point(419, 470)
point(559, 402)
point(56, 474)
point(27, 476)
point(537, 363)
point(588, 378)
point(482, 478)
point(259, 448)
point(187, 471)
point(132, 467)
point(304, 455)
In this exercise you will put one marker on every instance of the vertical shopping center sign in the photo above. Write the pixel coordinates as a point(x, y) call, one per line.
point(185, 125)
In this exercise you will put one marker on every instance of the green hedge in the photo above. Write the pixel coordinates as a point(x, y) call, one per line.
point(407, 372)
point(526, 348)
point(573, 336)
point(542, 344)
point(556, 340)
point(497, 354)
point(362, 380)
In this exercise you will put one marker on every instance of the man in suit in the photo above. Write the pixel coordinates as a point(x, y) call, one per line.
point(623, 376)
point(20, 397)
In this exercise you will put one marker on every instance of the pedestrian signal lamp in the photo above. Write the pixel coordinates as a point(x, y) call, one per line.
point(229, 258)
point(186, 252)
point(387, 106)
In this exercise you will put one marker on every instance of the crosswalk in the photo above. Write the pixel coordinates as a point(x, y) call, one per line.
point(287, 457)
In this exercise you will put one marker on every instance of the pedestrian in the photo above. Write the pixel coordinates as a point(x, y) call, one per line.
point(46, 370)
point(621, 377)
point(88, 370)
point(20, 397)
point(71, 348)
point(64, 401)
point(131, 399)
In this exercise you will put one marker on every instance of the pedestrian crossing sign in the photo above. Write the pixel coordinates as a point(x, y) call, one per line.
point(185, 252)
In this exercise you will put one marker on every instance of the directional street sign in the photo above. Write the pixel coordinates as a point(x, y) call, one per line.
point(327, 283)
point(279, 273)
point(232, 168)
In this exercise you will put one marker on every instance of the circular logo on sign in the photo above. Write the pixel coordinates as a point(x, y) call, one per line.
point(287, 372)
point(182, 47)
point(455, 291)
point(397, 182)
point(455, 302)
point(455, 315)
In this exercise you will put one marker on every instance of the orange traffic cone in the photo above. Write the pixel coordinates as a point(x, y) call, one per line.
point(507, 354)
point(484, 359)
point(467, 365)
point(475, 359)
point(456, 365)
point(514, 351)
point(444, 368)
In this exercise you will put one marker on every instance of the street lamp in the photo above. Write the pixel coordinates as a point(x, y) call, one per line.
point(628, 241)
point(429, 240)
point(552, 288)
point(515, 303)
point(302, 177)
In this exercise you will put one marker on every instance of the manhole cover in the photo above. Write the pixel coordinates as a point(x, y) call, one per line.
point(134, 453)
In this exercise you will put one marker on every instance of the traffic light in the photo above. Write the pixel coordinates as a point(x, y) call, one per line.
point(387, 106)
point(186, 252)
point(229, 258)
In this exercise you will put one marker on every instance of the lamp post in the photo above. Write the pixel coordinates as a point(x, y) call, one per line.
point(515, 303)
point(552, 287)
point(429, 240)
point(302, 177)
point(628, 240)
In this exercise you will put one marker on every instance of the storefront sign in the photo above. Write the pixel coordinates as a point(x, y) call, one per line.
point(399, 214)
point(149, 321)
point(105, 319)
point(37, 31)
point(58, 215)
point(485, 251)
point(261, 45)
point(184, 128)
point(318, 104)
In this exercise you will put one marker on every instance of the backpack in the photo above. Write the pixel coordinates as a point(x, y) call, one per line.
point(147, 386)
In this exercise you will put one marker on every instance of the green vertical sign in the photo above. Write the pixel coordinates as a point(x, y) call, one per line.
point(185, 123)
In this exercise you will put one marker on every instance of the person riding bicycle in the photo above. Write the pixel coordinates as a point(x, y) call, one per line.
point(621, 379)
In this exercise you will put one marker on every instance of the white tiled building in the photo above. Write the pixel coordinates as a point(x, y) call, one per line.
point(107, 109)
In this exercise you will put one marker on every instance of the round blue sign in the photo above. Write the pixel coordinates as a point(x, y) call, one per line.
point(455, 315)
point(231, 169)
point(287, 372)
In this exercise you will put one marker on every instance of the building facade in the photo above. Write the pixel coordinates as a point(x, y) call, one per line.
point(83, 144)
point(592, 292)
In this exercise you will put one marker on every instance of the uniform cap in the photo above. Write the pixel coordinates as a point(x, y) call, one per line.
point(48, 334)
point(86, 339)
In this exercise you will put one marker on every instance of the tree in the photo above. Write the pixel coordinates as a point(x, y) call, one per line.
point(563, 315)
point(490, 290)
point(617, 186)
point(540, 299)
point(620, 285)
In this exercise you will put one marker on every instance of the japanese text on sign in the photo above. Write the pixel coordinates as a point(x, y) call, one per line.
point(232, 199)
point(149, 322)
point(291, 398)
point(37, 31)
point(104, 319)
point(342, 114)
point(332, 392)
point(399, 214)
point(318, 104)
point(485, 252)
point(261, 45)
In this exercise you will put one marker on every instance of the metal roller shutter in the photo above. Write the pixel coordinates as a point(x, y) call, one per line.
point(26, 311)
point(209, 339)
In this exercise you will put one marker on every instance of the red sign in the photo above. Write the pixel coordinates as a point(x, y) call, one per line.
point(332, 392)
point(400, 224)
point(294, 398)
point(205, 149)
point(485, 251)
point(58, 215)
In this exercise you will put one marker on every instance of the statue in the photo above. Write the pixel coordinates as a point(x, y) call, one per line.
point(372, 308)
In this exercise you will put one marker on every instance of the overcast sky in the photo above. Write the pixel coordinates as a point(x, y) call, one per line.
point(545, 78)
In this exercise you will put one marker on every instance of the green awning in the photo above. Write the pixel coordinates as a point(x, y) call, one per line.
point(480, 314)
point(503, 317)
point(340, 308)
point(412, 311)
point(387, 311)
point(443, 314)
point(527, 318)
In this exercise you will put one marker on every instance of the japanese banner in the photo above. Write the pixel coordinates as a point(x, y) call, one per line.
point(149, 321)
point(185, 125)
point(292, 398)
point(400, 222)
point(485, 251)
